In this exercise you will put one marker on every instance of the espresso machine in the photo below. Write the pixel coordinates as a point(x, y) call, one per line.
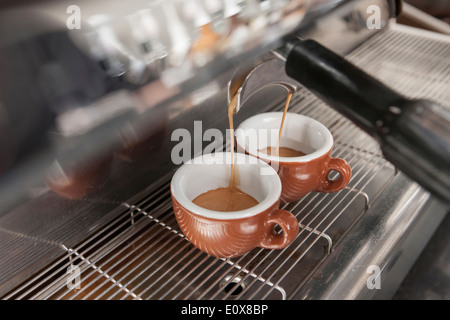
point(101, 101)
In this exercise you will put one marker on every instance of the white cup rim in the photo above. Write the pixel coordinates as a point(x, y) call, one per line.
point(249, 123)
point(271, 181)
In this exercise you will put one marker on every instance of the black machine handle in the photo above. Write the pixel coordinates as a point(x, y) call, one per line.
point(413, 134)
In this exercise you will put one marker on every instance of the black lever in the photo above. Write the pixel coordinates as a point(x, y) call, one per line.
point(413, 134)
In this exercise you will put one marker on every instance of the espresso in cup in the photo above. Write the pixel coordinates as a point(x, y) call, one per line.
point(222, 233)
point(225, 200)
point(309, 171)
point(282, 152)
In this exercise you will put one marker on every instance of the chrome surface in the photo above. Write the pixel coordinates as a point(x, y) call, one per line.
point(141, 253)
point(125, 239)
point(133, 126)
point(249, 80)
point(382, 245)
point(397, 226)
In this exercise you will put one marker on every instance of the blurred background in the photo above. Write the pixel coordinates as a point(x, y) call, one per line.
point(436, 8)
point(416, 12)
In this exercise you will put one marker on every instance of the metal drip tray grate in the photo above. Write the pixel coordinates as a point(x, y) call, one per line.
point(142, 254)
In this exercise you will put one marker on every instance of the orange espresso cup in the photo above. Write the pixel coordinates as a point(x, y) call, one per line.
point(299, 175)
point(231, 234)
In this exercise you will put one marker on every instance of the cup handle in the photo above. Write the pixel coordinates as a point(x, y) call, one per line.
point(345, 173)
point(288, 224)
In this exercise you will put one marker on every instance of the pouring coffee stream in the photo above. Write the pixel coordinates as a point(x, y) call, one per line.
point(249, 80)
point(414, 135)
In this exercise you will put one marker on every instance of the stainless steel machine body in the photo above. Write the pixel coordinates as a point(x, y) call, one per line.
point(358, 243)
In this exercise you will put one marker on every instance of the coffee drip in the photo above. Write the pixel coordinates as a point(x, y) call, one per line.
point(282, 151)
point(231, 111)
point(232, 198)
point(286, 106)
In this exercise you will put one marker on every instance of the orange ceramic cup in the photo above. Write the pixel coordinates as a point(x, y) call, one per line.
point(299, 175)
point(231, 234)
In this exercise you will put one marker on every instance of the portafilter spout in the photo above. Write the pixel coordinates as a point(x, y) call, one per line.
point(413, 134)
point(256, 76)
